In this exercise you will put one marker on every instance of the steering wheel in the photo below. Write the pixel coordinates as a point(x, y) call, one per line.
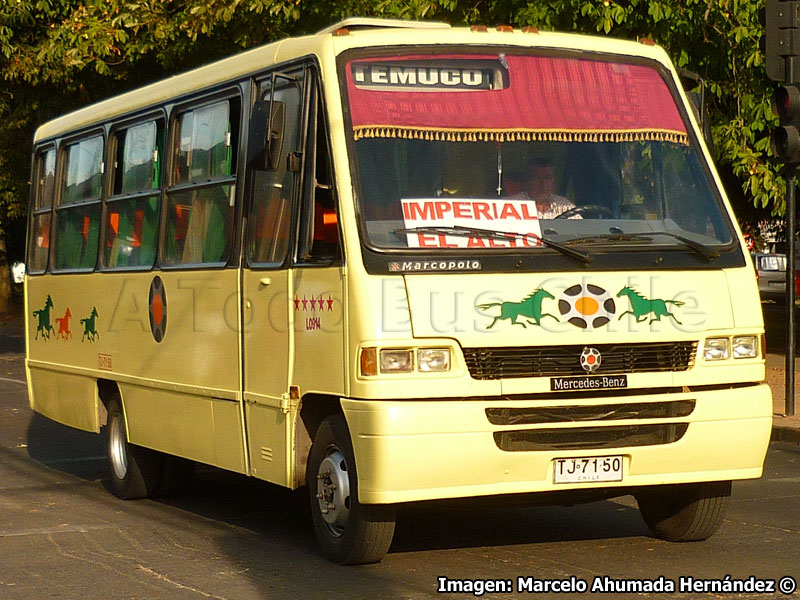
point(596, 209)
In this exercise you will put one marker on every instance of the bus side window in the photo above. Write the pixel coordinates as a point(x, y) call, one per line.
point(44, 190)
point(272, 191)
point(132, 212)
point(199, 214)
point(78, 212)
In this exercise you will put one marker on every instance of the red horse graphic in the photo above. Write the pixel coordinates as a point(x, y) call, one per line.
point(63, 326)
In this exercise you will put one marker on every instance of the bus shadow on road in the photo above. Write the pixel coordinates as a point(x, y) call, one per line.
point(275, 513)
point(511, 521)
point(78, 453)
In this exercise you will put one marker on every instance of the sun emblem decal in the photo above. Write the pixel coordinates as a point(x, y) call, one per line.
point(157, 301)
point(586, 305)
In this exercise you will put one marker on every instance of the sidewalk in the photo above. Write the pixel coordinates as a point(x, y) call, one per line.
point(784, 429)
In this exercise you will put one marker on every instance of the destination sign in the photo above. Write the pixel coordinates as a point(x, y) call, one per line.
point(452, 75)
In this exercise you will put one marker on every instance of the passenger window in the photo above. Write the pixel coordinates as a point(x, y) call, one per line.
point(204, 145)
point(42, 211)
point(272, 192)
point(199, 213)
point(132, 213)
point(78, 213)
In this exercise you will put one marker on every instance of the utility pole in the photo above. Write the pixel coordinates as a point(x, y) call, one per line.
point(782, 54)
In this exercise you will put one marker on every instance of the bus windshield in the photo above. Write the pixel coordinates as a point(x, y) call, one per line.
point(483, 151)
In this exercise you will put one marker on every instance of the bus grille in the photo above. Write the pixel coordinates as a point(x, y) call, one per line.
point(560, 361)
point(589, 438)
point(537, 415)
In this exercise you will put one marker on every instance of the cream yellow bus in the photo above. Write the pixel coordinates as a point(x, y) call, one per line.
point(398, 262)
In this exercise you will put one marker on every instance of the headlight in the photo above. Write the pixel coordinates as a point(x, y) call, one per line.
point(397, 361)
point(376, 361)
point(430, 360)
point(717, 349)
point(745, 346)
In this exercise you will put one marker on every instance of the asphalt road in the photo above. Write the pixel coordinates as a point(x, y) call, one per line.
point(63, 535)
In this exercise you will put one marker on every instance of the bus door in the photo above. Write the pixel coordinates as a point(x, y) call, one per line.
point(318, 277)
point(273, 179)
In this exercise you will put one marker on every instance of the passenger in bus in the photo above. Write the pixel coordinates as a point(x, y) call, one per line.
point(536, 181)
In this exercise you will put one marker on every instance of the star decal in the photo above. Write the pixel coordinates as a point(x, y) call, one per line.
point(317, 304)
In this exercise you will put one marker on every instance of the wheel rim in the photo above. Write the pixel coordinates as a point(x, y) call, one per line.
point(117, 450)
point(333, 492)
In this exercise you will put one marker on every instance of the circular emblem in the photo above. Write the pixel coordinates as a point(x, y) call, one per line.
point(158, 309)
point(586, 306)
point(590, 359)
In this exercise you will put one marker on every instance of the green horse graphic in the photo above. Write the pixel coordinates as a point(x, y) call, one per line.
point(89, 330)
point(44, 327)
point(641, 306)
point(530, 307)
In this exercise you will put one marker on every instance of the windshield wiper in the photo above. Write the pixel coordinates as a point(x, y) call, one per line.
point(705, 251)
point(610, 237)
point(580, 255)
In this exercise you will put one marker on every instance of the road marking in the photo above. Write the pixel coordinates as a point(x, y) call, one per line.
point(785, 479)
point(13, 381)
point(178, 585)
point(51, 530)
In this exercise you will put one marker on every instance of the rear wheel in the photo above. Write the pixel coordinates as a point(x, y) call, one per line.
point(687, 512)
point(349, 532)
point(135, 471)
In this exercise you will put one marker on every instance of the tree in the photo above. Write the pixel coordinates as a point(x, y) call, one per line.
point(56, 55)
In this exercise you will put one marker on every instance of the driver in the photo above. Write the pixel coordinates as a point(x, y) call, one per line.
point(538, 183)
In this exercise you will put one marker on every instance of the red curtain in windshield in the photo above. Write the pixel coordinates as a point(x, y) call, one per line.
point(544, 98)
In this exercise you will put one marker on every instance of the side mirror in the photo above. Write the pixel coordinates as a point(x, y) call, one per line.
point(267, 123)
point(695, 88)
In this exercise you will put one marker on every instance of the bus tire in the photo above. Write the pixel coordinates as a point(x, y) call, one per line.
point(135, 471)
point(685, 513)
point(349, 532)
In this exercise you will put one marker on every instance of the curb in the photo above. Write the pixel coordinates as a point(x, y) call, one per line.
point(785, 434)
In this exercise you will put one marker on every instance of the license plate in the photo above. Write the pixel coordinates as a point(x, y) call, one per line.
point(587, 469)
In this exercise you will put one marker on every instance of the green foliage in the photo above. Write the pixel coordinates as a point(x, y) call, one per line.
point(56, 55)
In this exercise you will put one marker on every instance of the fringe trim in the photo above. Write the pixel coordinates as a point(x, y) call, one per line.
point(517, 135)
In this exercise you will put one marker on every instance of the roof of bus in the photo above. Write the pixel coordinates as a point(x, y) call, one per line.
point(349, 34)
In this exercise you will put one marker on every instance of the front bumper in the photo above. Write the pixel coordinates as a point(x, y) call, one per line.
point(409, 450)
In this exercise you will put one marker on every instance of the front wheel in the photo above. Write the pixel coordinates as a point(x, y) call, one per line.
point(687, 512)
point(349, 532)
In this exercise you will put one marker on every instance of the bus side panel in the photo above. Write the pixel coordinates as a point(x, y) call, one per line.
point(208, 430)
point(86, 327)
point(267, 432)
point(65, 398)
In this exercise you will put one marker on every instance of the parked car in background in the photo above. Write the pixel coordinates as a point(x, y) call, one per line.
point(771, 273)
